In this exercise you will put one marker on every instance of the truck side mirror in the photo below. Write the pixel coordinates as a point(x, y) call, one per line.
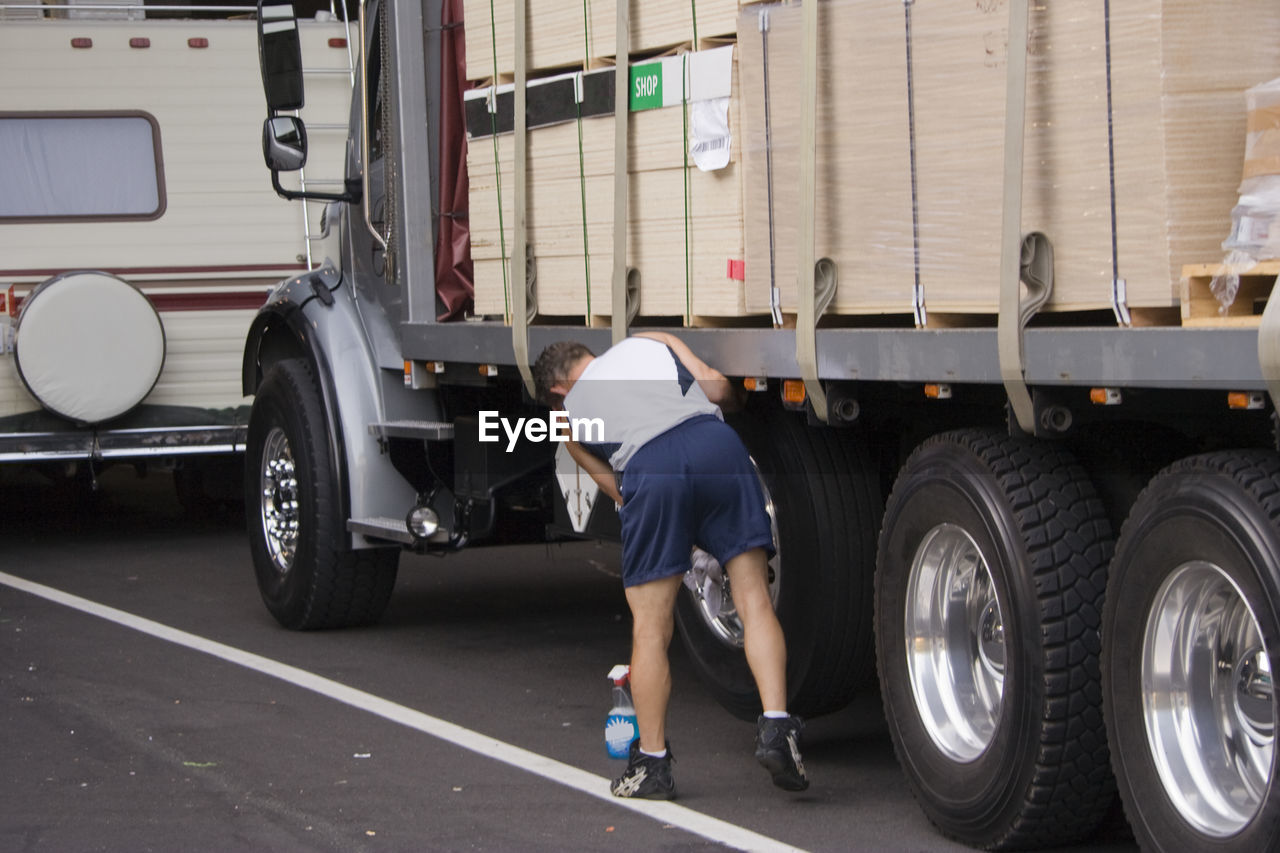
point(284, 143)
point(280, 56)
point(284, 137)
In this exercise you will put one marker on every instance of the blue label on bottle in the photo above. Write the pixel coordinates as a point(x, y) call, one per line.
point(619, 732)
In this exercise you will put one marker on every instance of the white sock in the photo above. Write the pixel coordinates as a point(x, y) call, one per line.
point(776, 715)
point(662, 754)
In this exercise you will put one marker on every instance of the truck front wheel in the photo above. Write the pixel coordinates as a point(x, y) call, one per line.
point(989, 586)
point(1191, 641)
point(308, 576)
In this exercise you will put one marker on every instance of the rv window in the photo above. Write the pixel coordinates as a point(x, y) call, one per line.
point(80, 166)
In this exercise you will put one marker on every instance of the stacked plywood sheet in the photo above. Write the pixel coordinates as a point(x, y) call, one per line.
point(1178, 70)
point(685, 226)
point(563, 34)
point(863, 205)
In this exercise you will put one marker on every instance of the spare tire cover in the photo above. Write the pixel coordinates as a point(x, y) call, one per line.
point(89, 346)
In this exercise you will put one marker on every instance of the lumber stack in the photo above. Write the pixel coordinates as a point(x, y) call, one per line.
point(582, 35)
point(1178, 71)
point(685, 225)
point(909, 189)
point(565, 252)
point(863, 203)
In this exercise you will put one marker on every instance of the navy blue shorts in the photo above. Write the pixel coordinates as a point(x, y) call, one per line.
point(692, 485)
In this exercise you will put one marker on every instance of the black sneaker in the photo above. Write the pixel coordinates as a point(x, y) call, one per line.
point(646, 777)
point(778, 751)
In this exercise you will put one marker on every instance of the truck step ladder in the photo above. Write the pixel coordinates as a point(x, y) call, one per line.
point(388, 529)
point(396, 529)
point(325, 184)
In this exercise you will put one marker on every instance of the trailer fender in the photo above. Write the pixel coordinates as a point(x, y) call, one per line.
point(314, 316)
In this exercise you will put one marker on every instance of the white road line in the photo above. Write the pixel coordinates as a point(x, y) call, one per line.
point(562, 774)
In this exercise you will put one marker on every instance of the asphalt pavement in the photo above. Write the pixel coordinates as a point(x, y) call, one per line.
point(149, 702)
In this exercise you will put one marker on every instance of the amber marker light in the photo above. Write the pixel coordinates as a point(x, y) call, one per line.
point(1246, 400)
point(1105, 396)
point(793, 391)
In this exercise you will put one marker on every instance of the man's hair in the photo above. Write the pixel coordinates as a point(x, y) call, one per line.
point(553, 366)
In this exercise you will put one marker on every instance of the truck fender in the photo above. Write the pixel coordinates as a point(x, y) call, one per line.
point(313, 316)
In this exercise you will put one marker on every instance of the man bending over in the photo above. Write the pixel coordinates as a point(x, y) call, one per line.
point(681, 477)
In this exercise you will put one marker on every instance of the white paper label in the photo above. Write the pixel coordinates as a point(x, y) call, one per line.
point(709, 140)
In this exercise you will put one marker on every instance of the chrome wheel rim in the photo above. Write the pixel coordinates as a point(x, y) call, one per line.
point(1208, 700)
point(708, 584)
point(954, 633)
point(279, 500)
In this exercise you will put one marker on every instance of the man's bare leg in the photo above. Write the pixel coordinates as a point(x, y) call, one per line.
point(777, 737)
point(652, 610)
point(766, 648)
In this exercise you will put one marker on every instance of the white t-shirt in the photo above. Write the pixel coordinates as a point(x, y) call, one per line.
point(638, 389)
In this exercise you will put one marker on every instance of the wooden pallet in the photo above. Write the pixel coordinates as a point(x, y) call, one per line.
point(1200, 307)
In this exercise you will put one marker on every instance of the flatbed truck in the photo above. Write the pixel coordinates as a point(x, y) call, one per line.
point(1057, 547)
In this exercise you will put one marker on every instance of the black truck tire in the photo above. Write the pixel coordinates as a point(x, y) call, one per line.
point(989, 584)
point(827, 506)
point(308, 576)
point(1192, 625)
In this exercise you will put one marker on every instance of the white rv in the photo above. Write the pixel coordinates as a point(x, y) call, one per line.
point(138, 236)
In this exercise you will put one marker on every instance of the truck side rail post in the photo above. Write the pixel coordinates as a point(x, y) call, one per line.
point(621, 182)
point(1269, 350)
point(520, 294)
point(1009, 327)
point(806, 312)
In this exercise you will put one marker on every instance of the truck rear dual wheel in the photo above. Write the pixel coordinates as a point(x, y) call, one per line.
point(1192, 638)
point(824, 500)
point(991, 570)
point(307, 575)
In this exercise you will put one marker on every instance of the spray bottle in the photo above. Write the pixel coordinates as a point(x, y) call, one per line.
point(620, 725)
